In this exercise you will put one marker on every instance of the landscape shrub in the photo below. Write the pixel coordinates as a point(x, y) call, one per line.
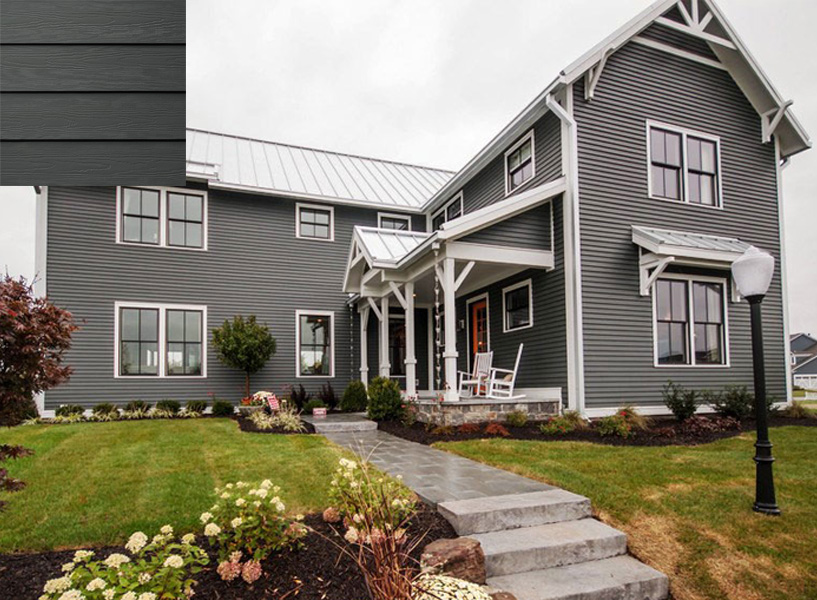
point(517, 418)
point(196, 406)
point(152, 569)
point(354, 397)
point(468, 428)
point(796, 410)
point(314, 403)
point(443, 587)
point(385, 402)
point(698, 425)
point(171, 406)
point(327, 395)
point(298, 396)
point(66, 410)
point(10, 484)
point(247, 523)
point(244, 344)
point(444, 430)
point(262, 420)
point(736, 401)
point(633, 418)
point(223, 408)
point(105, 411)
point(137, 405)
point(411, 410)
point(496, 429)
point(614, 425)
point(561, 425)
point(289, 420)
point(682, 403)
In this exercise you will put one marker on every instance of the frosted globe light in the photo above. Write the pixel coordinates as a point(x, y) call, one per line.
point(753, 272)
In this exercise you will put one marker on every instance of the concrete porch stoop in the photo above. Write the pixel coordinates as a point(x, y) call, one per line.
point(540, 542)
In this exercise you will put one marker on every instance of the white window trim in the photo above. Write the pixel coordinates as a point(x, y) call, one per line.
point(163, 220)
point(511, 150)
point(510, 288)
point(395, 216)
point(320, 313)
point(468, 303)
point(685, 133)
point(162, 308)
point(458, 197)
point(323, 207)
point(691, 320)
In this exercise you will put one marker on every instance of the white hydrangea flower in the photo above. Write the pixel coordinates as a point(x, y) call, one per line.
point(128, 596)
point(116, 560)
point(147, 596)
point(188, 538)
point(72, 595)
point(212, 530)
point(240, 484)
point(262, 493)
point(82, 555)
point(44, 597)
point(229, 486)
point(167, 530)
point(68, 567)
point(266, 484)
point(136, 542)
point(60, 584)
point(240, 502)
point(96, 584)
point(256, 504)
point(109, 594)
point(158, 538)
point(205, 517)
point(174, 561)
point(225, 495)
point(144, 578)
point(236, 522)
point(351, 535)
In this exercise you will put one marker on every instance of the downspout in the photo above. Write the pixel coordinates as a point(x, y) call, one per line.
point(573, 279)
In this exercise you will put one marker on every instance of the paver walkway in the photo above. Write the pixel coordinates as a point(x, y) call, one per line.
point(435, 476)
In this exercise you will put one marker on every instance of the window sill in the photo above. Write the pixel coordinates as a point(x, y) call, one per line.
point(685, 203)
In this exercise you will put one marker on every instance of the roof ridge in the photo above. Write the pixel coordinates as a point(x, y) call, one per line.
point(350, 155)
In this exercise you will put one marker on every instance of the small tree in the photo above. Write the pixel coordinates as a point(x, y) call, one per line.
point(7, 483)
point(34, 336)
point(244, 345)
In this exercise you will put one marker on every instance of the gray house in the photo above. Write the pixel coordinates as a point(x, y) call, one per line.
point(803, 363)
point(597, 229)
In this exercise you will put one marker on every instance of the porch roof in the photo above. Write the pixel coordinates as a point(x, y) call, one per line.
point(388, 245)
point(664, 242)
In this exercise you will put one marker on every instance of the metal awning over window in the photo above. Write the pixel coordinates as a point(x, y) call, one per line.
point(662, 247)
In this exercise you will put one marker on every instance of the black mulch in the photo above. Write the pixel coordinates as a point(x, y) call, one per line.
point(662, 432)
point(248, 426)
point(317, 571)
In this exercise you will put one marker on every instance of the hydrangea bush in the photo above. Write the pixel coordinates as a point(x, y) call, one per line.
point(442, 587)
point(157, 568)
point(249, 521)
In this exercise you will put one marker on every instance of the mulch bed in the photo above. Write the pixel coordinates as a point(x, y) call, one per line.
point(248, 426)
point(317, 571)
point(662, 432)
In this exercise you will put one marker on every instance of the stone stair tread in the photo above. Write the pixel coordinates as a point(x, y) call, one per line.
point(496, 513)
point(548, 535)
point(617, 578)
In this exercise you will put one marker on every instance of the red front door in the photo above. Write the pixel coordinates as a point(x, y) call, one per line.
point(479, 326)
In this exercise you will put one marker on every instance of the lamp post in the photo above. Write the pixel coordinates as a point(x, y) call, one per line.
point(753, 273)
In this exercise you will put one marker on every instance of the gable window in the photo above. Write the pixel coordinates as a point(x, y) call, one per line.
point(140, 216)
point(448, 212)
point(185, 220)
point(315, 222)
point(520, 164)
point(517, 306)
point(690, 322)
point(684, 166)
point(395, 222)
point(159, 340)
point(315, 337)
point(162, 217)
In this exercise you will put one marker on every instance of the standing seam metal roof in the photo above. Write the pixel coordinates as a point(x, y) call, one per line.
point(274, 167)
point(389, 245)
point(692, 240)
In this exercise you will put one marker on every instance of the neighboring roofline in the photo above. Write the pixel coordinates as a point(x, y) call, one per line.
point(796, 368)
point(794, 336)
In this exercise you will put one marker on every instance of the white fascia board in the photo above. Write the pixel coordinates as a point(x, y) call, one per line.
point(484, 253)
point(500, 211)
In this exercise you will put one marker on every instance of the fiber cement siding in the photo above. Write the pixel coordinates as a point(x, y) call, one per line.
point(531, 229)
point(254, 265)
point(638, 84)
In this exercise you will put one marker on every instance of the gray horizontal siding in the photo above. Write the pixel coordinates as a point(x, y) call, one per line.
point(93, 21)
point(254, 265)
point(75, 68)
point(488, 186)
point(80, 116)
point(640, 83)
point(531, 229)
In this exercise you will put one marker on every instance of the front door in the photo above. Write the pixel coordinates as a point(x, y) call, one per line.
point(479, 326)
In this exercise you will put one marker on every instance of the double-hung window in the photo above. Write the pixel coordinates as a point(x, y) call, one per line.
point(448, 212)
point(160, 340)
point(315, 222)
point(162, 217)
point(690, 322)
point(315, 336)
point(684, 166)
point(393, 221)
point(520, 163)
point(517, 306)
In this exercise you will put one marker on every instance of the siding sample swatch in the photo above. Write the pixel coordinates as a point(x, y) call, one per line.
point(92, 92)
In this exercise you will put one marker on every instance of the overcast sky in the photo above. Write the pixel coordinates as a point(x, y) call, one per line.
point(430, 82)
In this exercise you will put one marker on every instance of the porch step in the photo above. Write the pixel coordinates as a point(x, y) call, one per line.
point(341, 423)
point(552, 545)
point(497, 513)
point(618, 578)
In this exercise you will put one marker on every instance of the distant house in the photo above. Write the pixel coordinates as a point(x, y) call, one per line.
point(803, 363)
point(597, 228)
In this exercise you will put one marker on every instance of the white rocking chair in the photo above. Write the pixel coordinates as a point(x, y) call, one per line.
point(502, 381)
point(478, 379)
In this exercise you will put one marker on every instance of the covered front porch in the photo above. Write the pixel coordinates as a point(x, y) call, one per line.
point(405, 286)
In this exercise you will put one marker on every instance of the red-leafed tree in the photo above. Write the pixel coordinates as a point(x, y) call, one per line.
point(34, 335)
point(10, 484)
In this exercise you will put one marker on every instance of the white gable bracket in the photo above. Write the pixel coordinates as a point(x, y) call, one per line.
point(398, 294)
point(376, 310)
point(593, 75)
point(463, 275)
point(696, 31)
point(659, 265)
point(771, 119)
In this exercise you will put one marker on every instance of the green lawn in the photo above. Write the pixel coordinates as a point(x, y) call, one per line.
point(96, 483)
point(687, 510)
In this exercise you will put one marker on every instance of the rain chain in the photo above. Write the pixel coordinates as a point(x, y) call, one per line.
point(437, 329)
point(352, 343)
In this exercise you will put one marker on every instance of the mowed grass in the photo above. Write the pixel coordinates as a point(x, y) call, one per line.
point(688, 510)
point(93, 484)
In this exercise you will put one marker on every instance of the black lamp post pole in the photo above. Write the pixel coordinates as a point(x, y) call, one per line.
point(765, 501)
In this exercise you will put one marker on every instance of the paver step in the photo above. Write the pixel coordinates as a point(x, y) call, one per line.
point(512, 511)
point(618, 578)
point(551, 545)
point(341, 423)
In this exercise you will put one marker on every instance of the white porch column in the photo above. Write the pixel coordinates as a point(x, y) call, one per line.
point(450, 353)
point(411, 356)
point(364, 344)
point(385, 367)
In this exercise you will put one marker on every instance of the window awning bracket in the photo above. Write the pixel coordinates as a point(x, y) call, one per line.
point(658, 264)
